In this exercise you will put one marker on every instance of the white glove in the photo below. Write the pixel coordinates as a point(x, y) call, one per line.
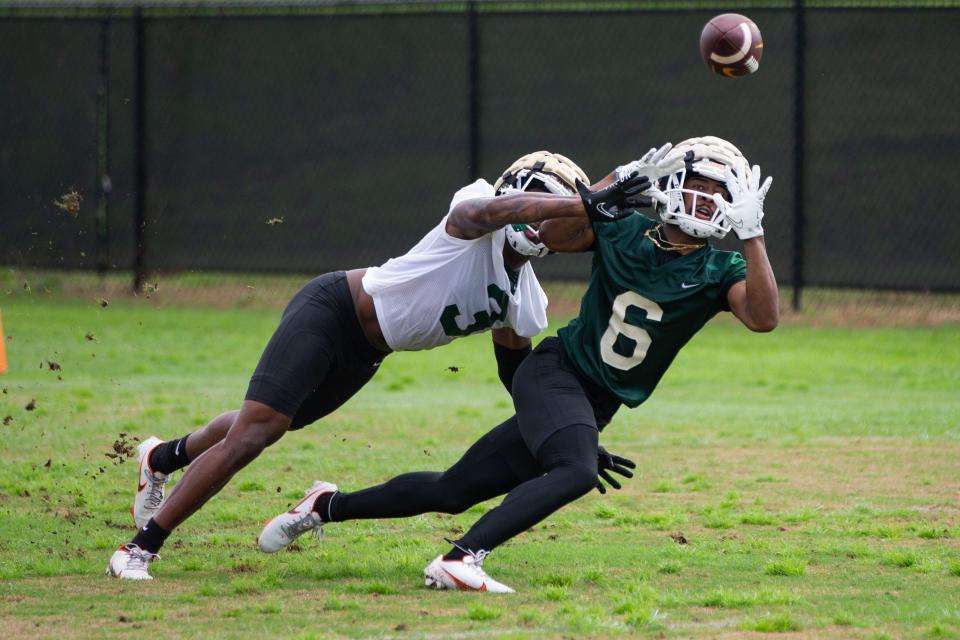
point(746, 209)
point(654, 165)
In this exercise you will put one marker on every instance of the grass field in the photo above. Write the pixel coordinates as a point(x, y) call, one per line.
point(804, 482)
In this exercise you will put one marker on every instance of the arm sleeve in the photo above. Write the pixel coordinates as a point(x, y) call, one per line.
point(507, 362)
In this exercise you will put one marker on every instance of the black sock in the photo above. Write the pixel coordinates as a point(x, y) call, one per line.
point(457, 553)
point(323, 506)
point(170, 456)
point(150, 537)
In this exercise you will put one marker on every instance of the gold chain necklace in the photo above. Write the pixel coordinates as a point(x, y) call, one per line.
point(665, 245)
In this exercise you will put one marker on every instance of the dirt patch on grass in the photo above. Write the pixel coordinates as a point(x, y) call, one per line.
point(839, 472)
point(19, 628)
point(844, 633)
point(889, 469)
point(851, 308)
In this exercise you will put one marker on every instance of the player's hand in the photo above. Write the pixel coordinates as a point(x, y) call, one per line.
point(746, 194)
point(653, 163)
point(607, 462)
point(616, 201)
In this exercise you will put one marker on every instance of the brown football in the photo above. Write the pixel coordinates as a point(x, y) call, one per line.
point(731, 45)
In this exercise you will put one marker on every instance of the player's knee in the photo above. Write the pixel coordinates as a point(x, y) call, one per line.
point(220, 425)
point(450, 497)
point(242, 450)
point(579, 479)
point(454, 504)
point(250, 448)
point(247, 439)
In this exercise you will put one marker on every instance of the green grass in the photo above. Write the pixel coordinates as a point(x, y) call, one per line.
point(780, 623)
point(811, 473)
point(790, 568)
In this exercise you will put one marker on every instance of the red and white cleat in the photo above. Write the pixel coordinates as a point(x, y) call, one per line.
point(466, 575)
point(130, 562)
point(283, 529)
point(150, 484)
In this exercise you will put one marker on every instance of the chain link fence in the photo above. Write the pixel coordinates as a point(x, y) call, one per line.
point(309, 137)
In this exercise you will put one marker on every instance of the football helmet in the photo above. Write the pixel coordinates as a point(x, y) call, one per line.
point(552, 172)
point(712, 157)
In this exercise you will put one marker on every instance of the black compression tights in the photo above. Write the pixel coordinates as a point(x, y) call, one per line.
point(488, 469)
point(569, 460)
point(565, 469)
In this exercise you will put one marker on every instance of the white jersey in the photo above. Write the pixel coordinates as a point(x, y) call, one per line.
point(447, 287)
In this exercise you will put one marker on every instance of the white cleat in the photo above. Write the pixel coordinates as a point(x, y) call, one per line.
point(130, 562)
point(150, 484)
point(283, 529)
point(465, 575)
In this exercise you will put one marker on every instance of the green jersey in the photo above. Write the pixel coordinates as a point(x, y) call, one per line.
point(639, 311)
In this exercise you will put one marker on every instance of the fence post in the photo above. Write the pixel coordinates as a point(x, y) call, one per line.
point(799, 146)
point(139, 162)
point(473, 94)
point(103, 149)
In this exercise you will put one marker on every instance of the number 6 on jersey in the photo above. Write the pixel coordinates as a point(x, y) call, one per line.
point(618, 326)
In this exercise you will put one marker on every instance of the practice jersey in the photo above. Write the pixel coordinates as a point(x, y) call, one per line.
point(446, 287)
point(637, 314)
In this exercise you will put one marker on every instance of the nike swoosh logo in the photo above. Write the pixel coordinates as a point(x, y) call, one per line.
point(602, 209)
point(310, 496)
point(176, 450)
point(142, 485)
point(463, 586)
point(684, 285)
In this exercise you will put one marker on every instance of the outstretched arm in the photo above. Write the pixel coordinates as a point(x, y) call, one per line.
point(476, 218)
point(756, 300)
point(571, 235)
point(574, 235)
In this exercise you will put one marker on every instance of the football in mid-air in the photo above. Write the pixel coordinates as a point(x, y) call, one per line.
point(731, 45)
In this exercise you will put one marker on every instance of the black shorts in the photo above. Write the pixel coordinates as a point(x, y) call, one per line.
point(318, 357)
point(549, 394)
